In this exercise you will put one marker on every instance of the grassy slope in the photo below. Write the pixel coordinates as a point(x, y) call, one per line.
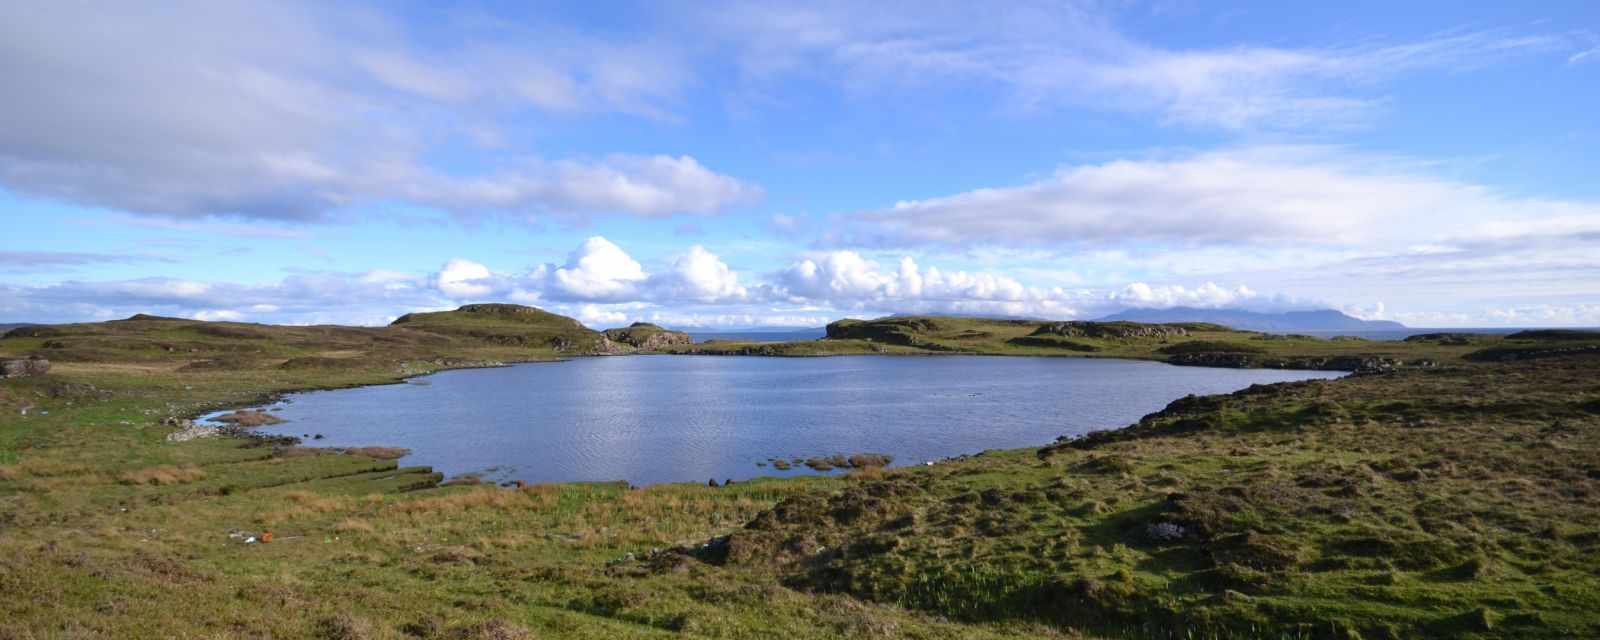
point(1425, 502)
point(958, 335)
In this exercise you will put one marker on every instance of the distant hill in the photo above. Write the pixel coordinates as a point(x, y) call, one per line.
point(4, 327)
point(1320, 320)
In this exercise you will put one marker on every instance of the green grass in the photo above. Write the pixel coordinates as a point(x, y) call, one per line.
point(1181, 343)
point(1452, 500)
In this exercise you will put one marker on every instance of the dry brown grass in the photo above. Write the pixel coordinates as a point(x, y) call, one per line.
point(486, 498)
point(306, 505)
point(312, 502)
point(163, 475)
point(146, 368)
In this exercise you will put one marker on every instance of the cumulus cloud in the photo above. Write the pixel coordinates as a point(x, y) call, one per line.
point(698, 276)
point(460, 278)
point(602, 285)
point(597, 316)
point(597, 270)
point(847, 280)
point(281, 111)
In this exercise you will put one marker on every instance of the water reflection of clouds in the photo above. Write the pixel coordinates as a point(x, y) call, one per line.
point(650, 419)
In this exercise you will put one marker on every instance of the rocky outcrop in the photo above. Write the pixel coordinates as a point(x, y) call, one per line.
point(187, 430)
point(1120, 330)
point(648, 337)
point(609, 347)
point(21, 367)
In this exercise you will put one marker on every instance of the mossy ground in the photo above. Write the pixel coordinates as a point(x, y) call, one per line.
point(1458, 500)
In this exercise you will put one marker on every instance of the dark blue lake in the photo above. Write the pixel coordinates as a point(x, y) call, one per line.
point(650, 419)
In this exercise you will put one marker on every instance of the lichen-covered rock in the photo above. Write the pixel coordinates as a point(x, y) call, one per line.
point(21, 367)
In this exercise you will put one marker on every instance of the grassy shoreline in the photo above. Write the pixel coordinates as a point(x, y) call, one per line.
point(1453, 499)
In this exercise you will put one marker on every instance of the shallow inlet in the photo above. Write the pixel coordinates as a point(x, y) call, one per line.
point(650, 419)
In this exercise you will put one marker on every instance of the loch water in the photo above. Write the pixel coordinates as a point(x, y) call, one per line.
point(651, 419)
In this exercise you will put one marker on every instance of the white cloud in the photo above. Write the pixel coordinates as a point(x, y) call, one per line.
point(846, 280)
point(1208, 295)
point(698, 276)
point(309, 298)
point(602, 285)
point(1047, 54)
point(597, 270)
point(596, 316)
point(1309, 196)
point(459, 279)
point(281, 111)
point(215, 315)
point(654, 185)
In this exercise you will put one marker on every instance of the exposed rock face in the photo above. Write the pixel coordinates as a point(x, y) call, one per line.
point(647, 337)
point(1077, 329)
point(607, 346)
point(34, 366)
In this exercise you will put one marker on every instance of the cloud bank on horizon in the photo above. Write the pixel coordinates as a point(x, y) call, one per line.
point(732, 164)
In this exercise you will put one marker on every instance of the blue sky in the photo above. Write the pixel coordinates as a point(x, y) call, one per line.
point(716, 164)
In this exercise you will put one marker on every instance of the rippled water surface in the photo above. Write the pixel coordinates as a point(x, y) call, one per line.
point(649, 419)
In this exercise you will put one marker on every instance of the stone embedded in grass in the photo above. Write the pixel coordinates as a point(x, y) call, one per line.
point(1164, 532)
point(22, 367)
point(819, 464)
point(243, 418)
point(841, 461)
point(864, 460)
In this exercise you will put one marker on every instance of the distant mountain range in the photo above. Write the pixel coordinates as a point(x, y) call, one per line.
point(7, 327)
point(1319, 320)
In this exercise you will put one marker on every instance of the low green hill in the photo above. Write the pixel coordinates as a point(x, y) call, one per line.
point(1184, 343)
point(508, 325)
